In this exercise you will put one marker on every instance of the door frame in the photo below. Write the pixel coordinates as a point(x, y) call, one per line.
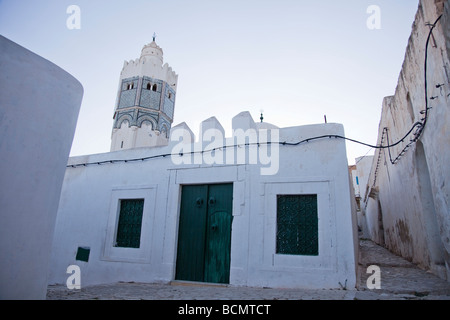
point(236, 175)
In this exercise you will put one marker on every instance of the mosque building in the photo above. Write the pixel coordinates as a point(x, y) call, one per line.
point(266, 207)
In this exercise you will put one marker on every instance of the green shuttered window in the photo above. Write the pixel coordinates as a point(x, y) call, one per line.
point(297, 225)
point(130, 222)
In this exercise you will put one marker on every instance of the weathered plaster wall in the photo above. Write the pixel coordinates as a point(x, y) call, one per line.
point(39, 105)
point(407, 208)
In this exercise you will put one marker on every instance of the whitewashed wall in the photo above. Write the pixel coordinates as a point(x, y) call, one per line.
point(407, 208)
point(87, 212)
point(39, 105)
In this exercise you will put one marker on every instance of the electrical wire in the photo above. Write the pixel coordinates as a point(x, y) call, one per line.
point(360, 159)
point(419, 126)
point(284, 143)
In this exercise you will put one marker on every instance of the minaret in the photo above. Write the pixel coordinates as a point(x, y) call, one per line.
point(145, 101)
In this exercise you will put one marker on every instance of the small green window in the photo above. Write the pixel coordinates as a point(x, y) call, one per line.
point(297, 225)
point(130, 223)
point(83, 254)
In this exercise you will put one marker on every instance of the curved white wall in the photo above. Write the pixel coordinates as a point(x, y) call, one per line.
point(39, 105)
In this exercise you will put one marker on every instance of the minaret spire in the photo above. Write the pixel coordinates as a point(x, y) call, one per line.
point(154, 36)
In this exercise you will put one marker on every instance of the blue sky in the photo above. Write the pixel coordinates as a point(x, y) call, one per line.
point(295, 60)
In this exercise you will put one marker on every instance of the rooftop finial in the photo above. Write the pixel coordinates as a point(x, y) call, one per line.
point(261, 118)
point(154, 36)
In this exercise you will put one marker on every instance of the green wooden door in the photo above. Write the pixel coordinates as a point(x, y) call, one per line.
point(218, 233)
point(204, 236)
point(191, 235)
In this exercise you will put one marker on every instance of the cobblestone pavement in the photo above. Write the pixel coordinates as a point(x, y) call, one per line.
point(400, 280)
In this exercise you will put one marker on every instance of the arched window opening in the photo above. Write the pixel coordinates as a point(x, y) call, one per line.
point(149, 86)
point(154, 87)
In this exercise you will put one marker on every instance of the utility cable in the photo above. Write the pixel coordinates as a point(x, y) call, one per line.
point(419, 126)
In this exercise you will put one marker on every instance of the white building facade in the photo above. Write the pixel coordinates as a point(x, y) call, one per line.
point(267, 207)
point(360, 173)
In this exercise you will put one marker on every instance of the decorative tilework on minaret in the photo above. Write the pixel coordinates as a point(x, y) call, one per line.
point(145, 101)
